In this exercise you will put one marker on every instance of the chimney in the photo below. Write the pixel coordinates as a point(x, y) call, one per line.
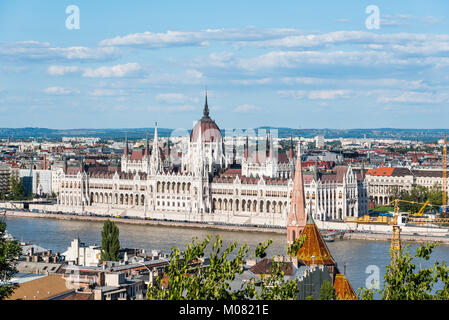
point(100, 279)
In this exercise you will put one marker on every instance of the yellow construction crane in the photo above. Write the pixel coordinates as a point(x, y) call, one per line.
point(396, 244)
point(444, 175)
point(416, 217)
point(419, 214)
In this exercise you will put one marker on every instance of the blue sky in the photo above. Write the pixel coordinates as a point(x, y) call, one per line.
point(292, 64)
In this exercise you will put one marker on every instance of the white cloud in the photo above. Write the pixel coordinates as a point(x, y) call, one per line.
point(44, 51)
point(415, 97)
point(61, 70)
point(393, 42)
point(172, 108)
point(253, 81)
point(188, 77)
point(246, 108)
point(195, 38)
point(194, 74)
point(379, 82)
point(315, 94)
point(61, 91)
point(174, 98)
point(104, 92)
point(117, 71)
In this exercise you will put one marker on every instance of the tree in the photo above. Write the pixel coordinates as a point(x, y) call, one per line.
point(403, 280)
point(327, 291)
point(9, 253)
point(293, 249)
point(417, 194)
point(110, 244)
point(17, 189)
point(188, 277)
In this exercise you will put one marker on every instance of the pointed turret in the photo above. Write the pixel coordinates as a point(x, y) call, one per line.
point(206, 108)
point(290, 150)
point(267, 143)
point(156, 165)
point(147, 151)
point(314, 250)
point(246, 149)
point(126, 150)
point(297, 216)
point(168, 150)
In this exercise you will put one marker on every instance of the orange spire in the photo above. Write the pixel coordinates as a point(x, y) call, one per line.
point(296, 219)
point(314, 249)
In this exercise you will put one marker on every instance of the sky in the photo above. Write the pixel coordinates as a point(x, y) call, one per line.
point(297, 64)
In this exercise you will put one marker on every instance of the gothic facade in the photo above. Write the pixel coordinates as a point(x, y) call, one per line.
point(206, 187)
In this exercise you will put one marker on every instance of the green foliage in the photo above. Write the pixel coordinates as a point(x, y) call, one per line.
point(310, 298)
point(417, 194)
point(9, 253)
point(293, 249)
point(110, 244)
point(327, 291)
point(17, 189)
point(403, 280)
point(260, 250)
point(188, 277)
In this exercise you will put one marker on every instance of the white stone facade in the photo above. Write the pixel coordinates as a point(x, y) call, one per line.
point(203, 189)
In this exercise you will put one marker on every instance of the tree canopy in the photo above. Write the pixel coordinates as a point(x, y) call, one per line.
point(110, 244)
point(188, 276)
point(404, 280)
point(17, 189)
point(9, 253)
point(327, 291)
point(417, 194)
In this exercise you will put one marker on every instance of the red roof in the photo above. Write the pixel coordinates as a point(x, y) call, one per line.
point(209, 131)
point(137, 155)
point(380, 172)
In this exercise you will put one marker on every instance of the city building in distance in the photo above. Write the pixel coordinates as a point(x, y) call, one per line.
point(207, 185)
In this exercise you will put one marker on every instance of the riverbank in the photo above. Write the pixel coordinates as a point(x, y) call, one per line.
point(176, 224)
point(387, 237)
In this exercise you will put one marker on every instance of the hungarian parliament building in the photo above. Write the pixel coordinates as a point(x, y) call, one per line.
point(207, 185)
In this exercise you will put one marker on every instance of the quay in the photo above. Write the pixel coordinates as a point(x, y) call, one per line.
point(153, 222)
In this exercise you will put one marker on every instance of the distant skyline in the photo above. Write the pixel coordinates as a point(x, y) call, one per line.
point(265, 63)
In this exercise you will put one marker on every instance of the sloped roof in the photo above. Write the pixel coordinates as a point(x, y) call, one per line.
point(343, 288)
point(264, 267)
point(41, 289)
point(314, 250)
point(80, 296)
point(137, 155)
point(388, 172)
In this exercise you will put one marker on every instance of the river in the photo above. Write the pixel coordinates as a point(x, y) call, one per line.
point(359, 256)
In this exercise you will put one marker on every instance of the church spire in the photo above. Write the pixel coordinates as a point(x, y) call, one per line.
point(147, 151)
point(206, 108)
point(126, 151)
point(156, 165)
point(297, 218)
point(290, 151)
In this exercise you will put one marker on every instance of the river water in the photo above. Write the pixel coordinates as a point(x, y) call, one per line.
point(361, 258)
